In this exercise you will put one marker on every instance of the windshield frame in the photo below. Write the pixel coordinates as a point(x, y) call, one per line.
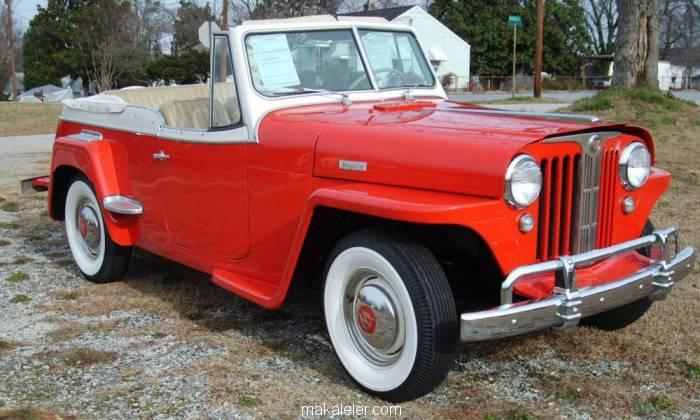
point(360, 48)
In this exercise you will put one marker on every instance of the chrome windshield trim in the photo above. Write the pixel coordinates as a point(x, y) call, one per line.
point(546, 115)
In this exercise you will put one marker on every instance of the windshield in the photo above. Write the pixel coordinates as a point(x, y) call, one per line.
point(328, 60)
point(395, 59)
point(300, 62)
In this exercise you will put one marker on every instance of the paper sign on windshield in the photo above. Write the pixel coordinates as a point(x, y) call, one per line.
point(274, 61)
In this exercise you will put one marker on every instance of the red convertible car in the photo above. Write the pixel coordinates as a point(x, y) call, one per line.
point(325, 148)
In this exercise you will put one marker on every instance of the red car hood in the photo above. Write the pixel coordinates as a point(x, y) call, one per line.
point(437, 146)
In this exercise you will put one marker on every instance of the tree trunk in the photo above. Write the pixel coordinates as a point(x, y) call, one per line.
point(637, 47)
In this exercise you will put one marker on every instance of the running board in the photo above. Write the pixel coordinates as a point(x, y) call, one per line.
point(36, 184)
point(546, 115)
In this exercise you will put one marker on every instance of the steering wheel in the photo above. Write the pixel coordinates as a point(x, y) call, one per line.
point(363, 78)
point(394, 72)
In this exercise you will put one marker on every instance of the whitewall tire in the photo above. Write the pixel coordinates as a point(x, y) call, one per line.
point(99, 259)
point(390, 315)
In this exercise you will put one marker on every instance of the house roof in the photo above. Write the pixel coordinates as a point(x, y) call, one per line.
point(390, 13)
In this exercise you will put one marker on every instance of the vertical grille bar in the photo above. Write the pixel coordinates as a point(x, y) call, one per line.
point(556, 208)
point(543, 226)
point(607, 197)
point(567, 204)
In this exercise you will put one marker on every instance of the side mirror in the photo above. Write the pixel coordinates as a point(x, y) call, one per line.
point(205, 32)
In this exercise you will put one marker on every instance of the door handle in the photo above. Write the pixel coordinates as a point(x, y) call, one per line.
point(161, 156)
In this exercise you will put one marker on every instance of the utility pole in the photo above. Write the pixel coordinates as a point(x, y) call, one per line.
point(514, 21)
point(515, 43)
point(224, 26)
point(11, 41)
point(539, 40)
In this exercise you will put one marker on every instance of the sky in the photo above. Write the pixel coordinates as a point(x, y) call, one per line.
point(25, 10)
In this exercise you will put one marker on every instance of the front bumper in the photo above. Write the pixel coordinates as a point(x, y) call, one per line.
point(565, 308)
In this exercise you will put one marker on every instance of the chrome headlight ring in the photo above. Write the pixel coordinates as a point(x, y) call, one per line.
point(523, 181)
point(635, 166)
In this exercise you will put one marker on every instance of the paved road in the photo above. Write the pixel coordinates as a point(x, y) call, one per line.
point(688, 95)
point(16, 145)
point(23, 157)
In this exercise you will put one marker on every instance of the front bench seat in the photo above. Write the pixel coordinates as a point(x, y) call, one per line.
point(192, 113)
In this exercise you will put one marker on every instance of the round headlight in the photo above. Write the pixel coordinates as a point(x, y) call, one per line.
point(523, 181)
point(635, 165)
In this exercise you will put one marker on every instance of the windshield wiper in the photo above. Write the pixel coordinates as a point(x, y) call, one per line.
point(344, 97)
point(407, 92)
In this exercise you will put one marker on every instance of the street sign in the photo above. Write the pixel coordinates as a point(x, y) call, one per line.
point(515, 21)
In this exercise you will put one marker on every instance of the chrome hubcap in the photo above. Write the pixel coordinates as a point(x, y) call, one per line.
point(88, 226)
point(374, 319)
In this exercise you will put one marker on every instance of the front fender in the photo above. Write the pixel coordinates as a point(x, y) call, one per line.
point(489, 218)
point(98, 161)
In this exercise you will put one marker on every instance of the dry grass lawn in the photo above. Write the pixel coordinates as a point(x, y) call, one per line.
point(25, 119)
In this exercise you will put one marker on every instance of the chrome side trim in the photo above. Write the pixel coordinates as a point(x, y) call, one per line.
point(86, 135)
point(564, 309)
point(122, 205)
point(546, 115)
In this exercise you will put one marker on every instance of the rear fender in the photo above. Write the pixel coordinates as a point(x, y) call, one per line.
point(104, 163)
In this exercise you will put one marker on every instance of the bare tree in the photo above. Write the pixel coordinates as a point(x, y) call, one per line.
point(601, 21)
point(106, 48)
point(150, 23)
point(637, 46)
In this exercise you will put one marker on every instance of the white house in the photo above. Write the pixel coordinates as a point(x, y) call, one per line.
point(448, 53)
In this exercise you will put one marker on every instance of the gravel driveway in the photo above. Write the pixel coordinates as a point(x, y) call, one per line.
point(166, 343)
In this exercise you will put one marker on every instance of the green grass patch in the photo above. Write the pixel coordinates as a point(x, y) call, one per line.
point(652, 405)
point(21, 298)
point(10, 206)
point(18, 277)
point(3, 242)
point(9, 226)
point(248, 401)
point(642, 98)
point(690, 370)
point(24, 413)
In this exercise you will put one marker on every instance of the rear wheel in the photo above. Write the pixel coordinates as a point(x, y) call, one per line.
point(99, 259)
point(390, 315)
point(625, 315)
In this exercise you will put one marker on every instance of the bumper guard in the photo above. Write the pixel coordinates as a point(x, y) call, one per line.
point(565, 308)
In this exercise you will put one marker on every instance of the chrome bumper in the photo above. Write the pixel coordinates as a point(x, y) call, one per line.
point(565, 308)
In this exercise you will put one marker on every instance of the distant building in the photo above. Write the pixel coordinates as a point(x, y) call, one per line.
point(687, 59)
point(447, 52)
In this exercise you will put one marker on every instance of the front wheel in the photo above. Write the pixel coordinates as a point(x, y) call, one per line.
point(99, 259)
point(390, 315)
point(625, 315)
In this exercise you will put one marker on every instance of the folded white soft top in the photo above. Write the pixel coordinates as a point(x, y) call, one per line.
point(99, 104)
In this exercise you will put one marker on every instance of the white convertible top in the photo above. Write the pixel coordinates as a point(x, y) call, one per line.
point(99, 104)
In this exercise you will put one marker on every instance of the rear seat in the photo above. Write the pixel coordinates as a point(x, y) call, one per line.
point(185, 106)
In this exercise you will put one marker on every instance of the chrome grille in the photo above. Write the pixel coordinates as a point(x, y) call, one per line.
point(573, 202)
point(587, 222)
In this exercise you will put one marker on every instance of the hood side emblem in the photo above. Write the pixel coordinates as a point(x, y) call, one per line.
point(352, 165)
